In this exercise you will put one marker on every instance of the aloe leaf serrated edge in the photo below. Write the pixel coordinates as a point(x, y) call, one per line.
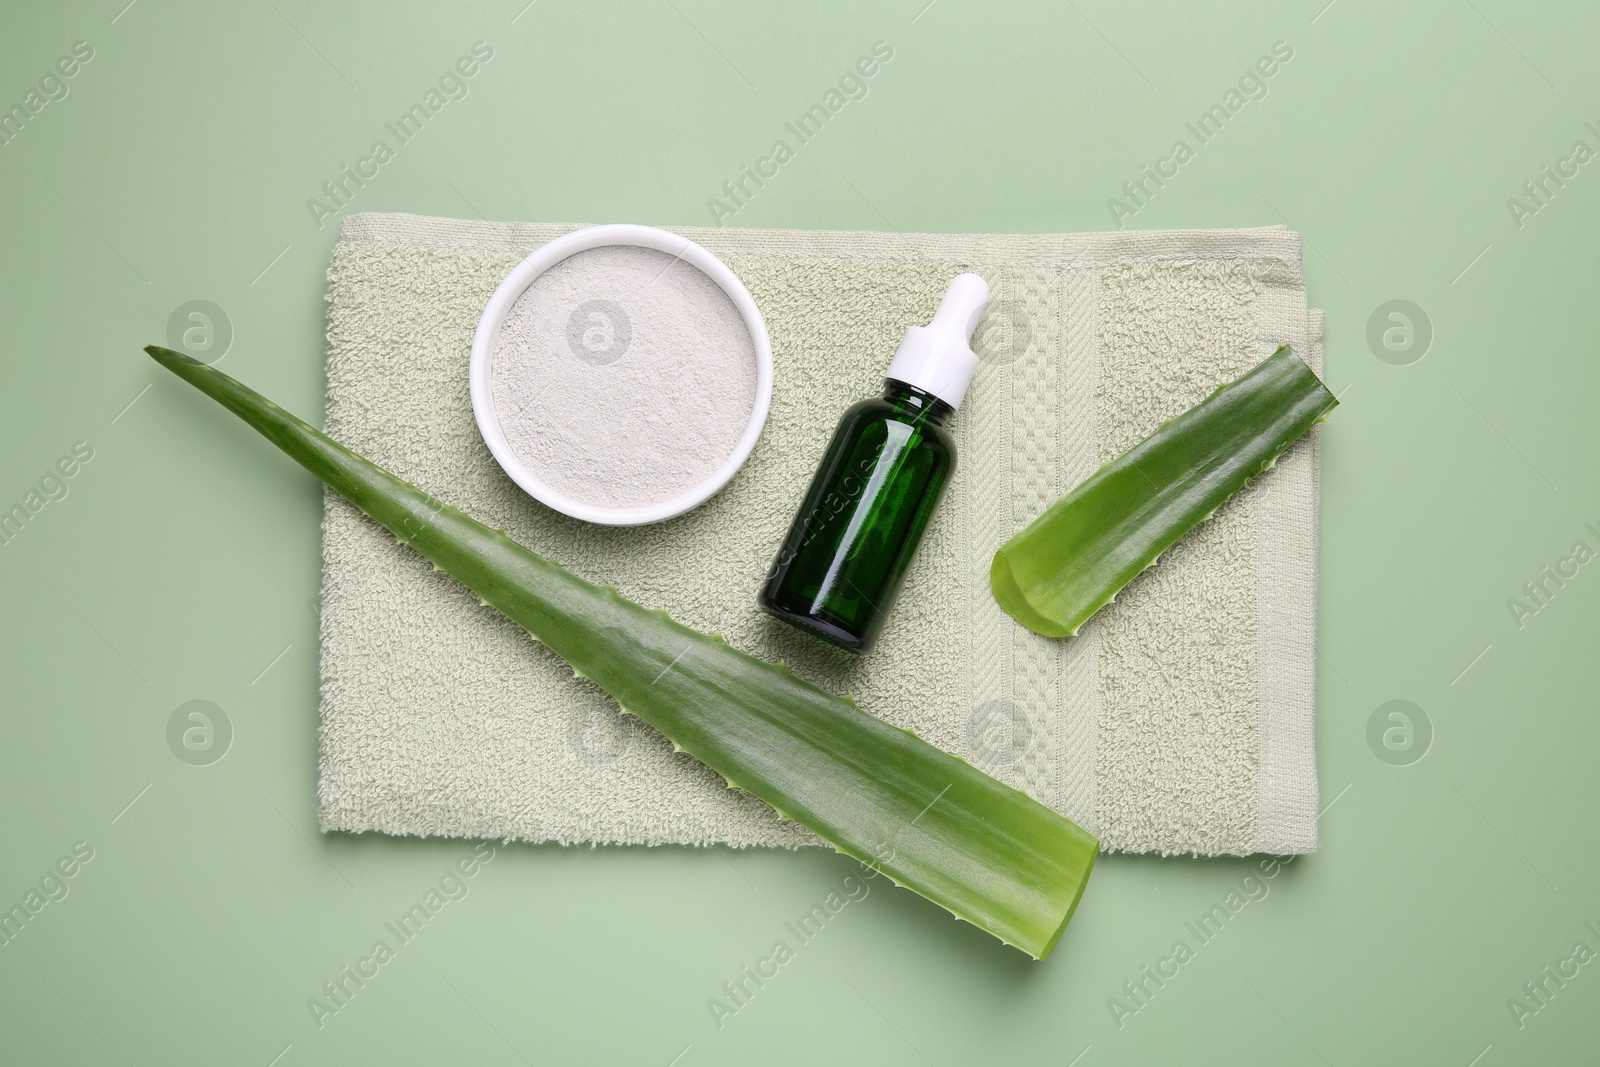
point(1071, 561)
point(987, 853)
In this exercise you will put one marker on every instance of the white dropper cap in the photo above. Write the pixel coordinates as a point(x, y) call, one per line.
point(938, 358)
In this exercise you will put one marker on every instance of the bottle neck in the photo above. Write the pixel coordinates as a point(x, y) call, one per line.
point(919, 404)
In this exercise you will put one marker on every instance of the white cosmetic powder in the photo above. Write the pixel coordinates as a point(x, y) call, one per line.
point(623, 377)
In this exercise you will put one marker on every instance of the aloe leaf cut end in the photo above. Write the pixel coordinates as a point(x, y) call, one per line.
point(1014, 599)
point(1072, 560)
point(987, 853)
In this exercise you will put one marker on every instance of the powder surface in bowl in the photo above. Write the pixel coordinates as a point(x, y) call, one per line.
point(623, 377)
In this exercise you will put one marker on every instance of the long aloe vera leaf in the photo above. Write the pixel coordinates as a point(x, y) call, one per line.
point(1071, 561)
point(985, 852)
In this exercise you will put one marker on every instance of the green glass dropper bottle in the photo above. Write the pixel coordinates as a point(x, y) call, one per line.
point(869, 503)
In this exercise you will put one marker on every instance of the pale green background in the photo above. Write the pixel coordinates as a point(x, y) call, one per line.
point(186, 556)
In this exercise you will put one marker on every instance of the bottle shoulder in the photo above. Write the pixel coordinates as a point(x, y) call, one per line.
point(869, 417)
point(872, 407)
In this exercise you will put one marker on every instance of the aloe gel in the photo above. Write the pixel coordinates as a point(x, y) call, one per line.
point(847, 552)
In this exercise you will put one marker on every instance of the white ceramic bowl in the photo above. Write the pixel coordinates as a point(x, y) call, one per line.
point(494, 317)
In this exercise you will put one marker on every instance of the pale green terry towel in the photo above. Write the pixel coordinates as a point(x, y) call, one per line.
point(1180, 720)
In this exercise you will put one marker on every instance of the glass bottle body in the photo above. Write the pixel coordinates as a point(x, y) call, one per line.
point(869, 504)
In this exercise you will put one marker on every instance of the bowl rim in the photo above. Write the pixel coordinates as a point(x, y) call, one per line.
point(495, 312)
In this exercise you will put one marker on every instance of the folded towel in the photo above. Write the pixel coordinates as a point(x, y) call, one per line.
point(1180, 719)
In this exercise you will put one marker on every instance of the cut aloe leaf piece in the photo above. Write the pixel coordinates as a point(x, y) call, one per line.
point(983, 851)
point(1071, 561)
